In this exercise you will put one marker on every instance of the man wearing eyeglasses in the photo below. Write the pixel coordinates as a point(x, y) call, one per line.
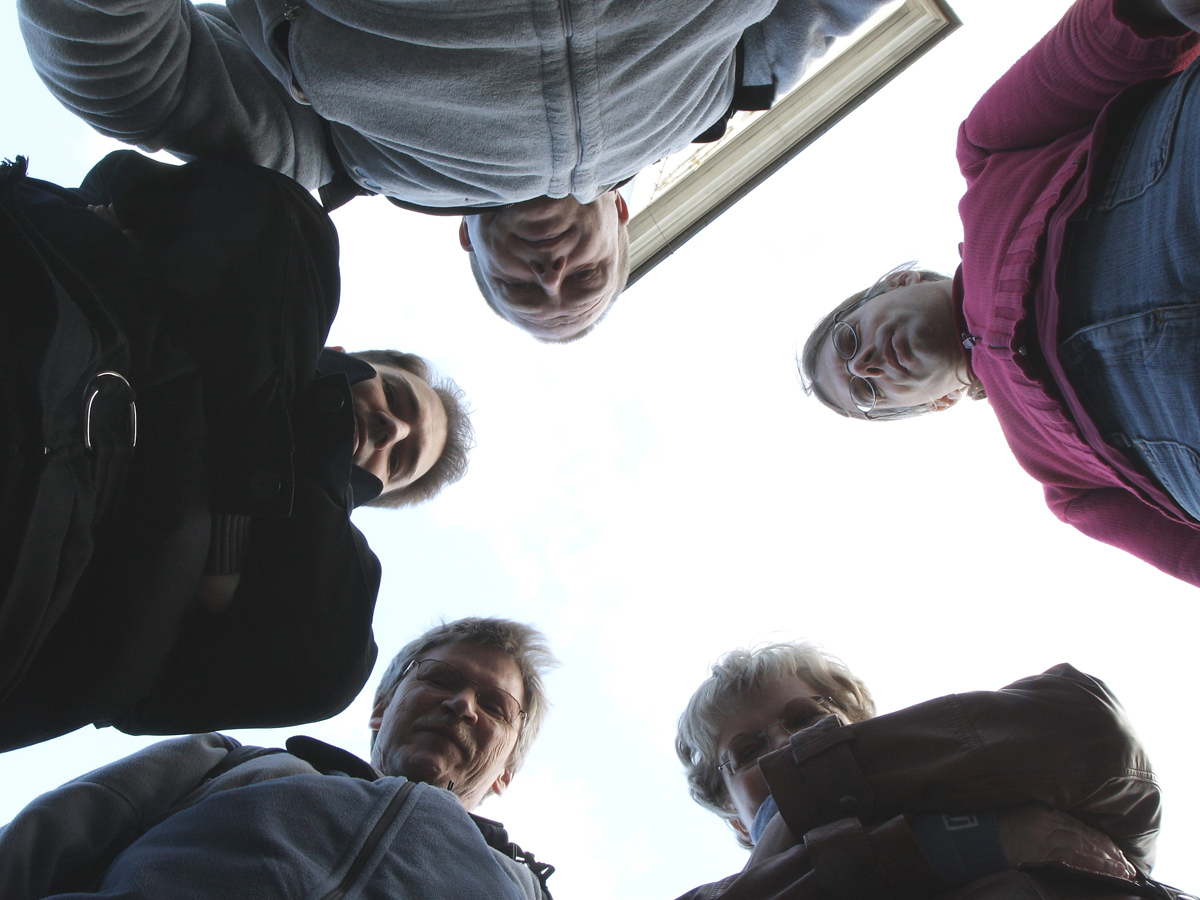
point(454, 717)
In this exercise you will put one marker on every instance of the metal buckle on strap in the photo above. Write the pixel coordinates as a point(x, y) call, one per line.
point(95, 392)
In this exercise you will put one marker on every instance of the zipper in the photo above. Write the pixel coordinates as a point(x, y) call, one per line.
point(564, 7)
point(360, 861)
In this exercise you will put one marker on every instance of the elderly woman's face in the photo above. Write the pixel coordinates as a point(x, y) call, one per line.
point(908, 348)
point(740, 738)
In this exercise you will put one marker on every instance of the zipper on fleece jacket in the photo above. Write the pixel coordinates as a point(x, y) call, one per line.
point(564, 8)
point(368, 847)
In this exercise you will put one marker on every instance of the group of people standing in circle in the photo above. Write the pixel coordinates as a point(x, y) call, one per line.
point(183, 451)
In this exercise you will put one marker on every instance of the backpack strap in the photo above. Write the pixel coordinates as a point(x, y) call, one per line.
point(495, 836)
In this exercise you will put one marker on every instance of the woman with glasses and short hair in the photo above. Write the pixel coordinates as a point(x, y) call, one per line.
point(783, 743)
point(1076, 309)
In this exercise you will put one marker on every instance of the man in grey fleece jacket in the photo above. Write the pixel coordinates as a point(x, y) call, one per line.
point(202, 817)
point(523, 119)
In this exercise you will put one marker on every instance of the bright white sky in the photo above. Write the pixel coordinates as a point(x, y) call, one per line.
point(663, 491)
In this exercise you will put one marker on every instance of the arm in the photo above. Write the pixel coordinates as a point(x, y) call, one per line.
point(1059, 739)
point(778, 49)
point(1061, 85)
point(166, 75)
point(295, 644)
point(1119, 518)
point(64, 840)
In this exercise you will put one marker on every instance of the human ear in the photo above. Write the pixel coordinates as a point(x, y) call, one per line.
point(464, 236)
point(948, 401)
point(377, 711)
point(622, 208)
point(904, 279)
point(741, 829)
point(500, 785)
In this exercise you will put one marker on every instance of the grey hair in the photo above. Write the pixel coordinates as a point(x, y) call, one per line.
point(524, 643)
point(806, 363)
point(733, 676)
point(460, 435)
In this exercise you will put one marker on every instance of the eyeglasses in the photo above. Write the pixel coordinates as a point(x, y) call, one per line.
point(746, 749)
point(445, 678)
point(845, 342)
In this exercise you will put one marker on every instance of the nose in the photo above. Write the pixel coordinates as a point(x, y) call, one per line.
point(389, 429)
point(462, 704)
point(866, 363)
point(777, 737)
point(548, 269)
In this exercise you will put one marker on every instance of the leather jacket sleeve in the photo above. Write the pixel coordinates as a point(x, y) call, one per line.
point(1059, 739)
point(842, 860)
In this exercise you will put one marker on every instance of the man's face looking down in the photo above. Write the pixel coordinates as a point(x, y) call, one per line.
point(399, 426)
point(452, 739)
point(552, 266)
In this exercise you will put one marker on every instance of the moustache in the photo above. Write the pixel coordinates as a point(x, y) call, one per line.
point(453, 728)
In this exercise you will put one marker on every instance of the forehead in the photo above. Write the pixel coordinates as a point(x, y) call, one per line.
point(759, 707)
point(426, 395)
point(487, 665)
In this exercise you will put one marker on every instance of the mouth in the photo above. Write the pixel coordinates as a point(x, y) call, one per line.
point(894, 356)
point(360, 434)
point(542, 237)
point(450, 736)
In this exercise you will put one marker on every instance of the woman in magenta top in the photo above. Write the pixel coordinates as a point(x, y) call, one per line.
point(1076, 309)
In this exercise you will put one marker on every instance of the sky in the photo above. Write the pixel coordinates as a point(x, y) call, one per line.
point(663, 491)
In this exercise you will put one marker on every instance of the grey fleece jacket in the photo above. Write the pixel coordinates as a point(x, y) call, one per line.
point(472, 103)
point(153, 826)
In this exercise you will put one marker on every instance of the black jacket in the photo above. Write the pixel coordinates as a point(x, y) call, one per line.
point(213, 318)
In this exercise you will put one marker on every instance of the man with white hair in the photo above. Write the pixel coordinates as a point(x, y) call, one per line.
point(1040, 789)
point(201, 817)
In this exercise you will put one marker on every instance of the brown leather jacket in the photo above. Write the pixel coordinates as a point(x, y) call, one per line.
point(1059, 740)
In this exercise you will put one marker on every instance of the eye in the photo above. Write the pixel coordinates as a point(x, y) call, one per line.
point(389, 393)
point(746, 752)
point(863, 392)
point(845, 340)
point(494, 707)
point(800, 714)
point(585, 275)
point(519, 286)
point(445, 681)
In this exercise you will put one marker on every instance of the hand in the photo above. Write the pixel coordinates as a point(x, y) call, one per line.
point(1033, 835)
point(215, 592)
point(109, 215)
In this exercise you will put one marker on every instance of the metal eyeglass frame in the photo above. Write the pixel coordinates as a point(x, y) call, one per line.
point(826, 705)
point(522, 715)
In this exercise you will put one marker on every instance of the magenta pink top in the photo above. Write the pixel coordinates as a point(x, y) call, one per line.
point(1027, 152)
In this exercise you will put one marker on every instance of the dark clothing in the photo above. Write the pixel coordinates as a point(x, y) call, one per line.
point(213, 316)
point(1058, 740)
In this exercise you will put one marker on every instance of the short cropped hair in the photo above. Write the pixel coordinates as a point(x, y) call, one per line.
point(622, 280)
point(807, 362)
point(733, 676)
point(460, 436)
point(524, 643)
